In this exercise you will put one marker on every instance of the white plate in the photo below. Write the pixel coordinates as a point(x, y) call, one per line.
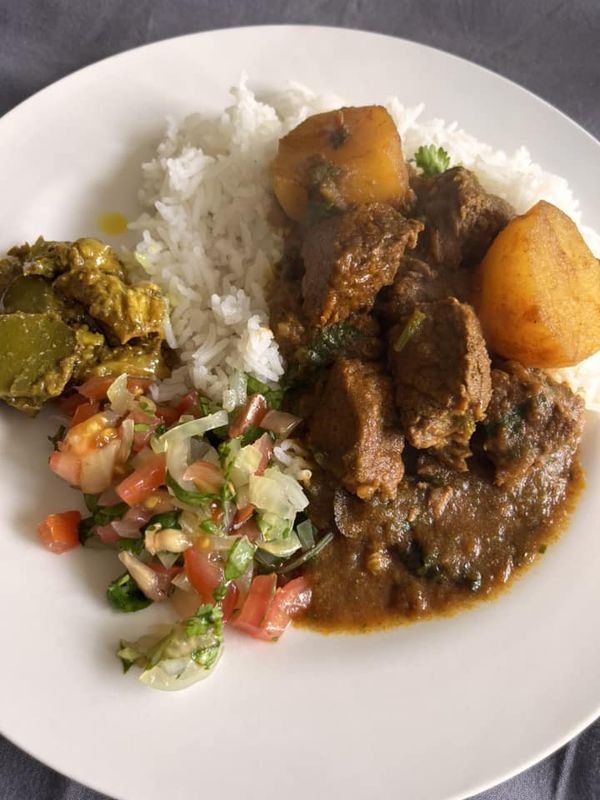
point(425, 712)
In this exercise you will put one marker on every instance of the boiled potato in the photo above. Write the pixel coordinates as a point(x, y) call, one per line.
point(362, 142)
point(539, 291)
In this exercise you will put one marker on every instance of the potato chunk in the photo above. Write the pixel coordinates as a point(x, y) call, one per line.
point(539, 291)
point(357, 151)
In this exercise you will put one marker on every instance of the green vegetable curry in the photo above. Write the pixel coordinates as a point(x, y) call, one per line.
point(69, 313)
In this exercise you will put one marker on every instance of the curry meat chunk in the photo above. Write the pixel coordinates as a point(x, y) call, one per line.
point(352, 429)
point(531, 420)
point(461, 218)
point(348, 258)
point(441, 372)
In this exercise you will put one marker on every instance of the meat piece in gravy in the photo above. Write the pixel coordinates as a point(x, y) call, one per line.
point(531, 418)
point(419, 282)
point(354, 429)
point(461, 219)
point(441, 375)
point(349, 257)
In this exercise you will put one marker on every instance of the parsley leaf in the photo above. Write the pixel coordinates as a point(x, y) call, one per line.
point(124, 594)
point(274, 397)
point(431, 160)
point(168, 519)
point(101, 515)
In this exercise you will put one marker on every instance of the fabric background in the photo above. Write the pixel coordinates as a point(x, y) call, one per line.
point(548, 46)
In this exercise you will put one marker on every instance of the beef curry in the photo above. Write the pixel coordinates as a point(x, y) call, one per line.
point(442, 464)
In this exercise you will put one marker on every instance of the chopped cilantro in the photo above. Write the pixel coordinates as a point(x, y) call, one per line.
point(274, 397)
point(101, 515)
point(415, 321)
point(124, 595)
point(326, 343)
point(208, 526)
point(131, 545)
point(168, 519)
point(431, 160)
point(219, 592)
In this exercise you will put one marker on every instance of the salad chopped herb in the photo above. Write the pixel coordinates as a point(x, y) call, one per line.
point(124, 595)
point(239, 559)
point(431, 160)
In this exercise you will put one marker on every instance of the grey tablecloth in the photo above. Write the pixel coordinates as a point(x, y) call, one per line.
point(549, 46)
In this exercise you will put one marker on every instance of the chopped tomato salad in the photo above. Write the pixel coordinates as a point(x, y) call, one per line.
point(194, 500)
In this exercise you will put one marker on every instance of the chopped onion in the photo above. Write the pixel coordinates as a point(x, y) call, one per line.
point(97, 468)
point(195, 427)
point(280, 422)
point(129, 525)
point(168, 559)
point(107, 534)
point(246, 462)
point(178, 458)
point(109, 497)
point(120, 398)
point(277, 493)
point(126, 432)
point(182, 582)
point(148, 581)
point(282, 548)
point(207, 477)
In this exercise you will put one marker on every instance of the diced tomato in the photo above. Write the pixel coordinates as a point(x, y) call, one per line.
point(67, 466)
point(59, 531)
point(267, 612)
point(68, 404)
point(206, 476)
point(250, 413)
point(203, 573)
point(188, 404)
point(256, 606)
point(92, 434)
point(265, 445)
point(167, 415)
point(96, 388)
point(135, 488)
point(84, 411)
point(289, 602)
point(242, 515)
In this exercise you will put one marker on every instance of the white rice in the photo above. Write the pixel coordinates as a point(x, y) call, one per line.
point(207, 241)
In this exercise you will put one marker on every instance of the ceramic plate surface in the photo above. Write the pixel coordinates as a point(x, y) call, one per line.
point(431, 711)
